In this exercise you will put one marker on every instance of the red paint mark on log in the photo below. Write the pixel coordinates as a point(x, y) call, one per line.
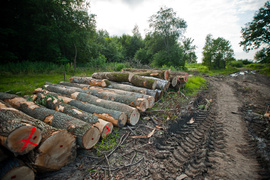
point(13, 177)
point(61, 146)
point(92, 139)
point(34, 137)
point(108, 130)
point(27, 141)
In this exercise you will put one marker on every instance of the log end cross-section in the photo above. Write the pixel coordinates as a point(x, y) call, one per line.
point(90, 138)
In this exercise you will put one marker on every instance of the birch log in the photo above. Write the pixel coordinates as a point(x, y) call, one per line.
point(87, 136)
point(56, 149)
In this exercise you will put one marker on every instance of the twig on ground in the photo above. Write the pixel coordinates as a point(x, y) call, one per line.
point(154, 121)
point(132, 131)
point(108, 166)
point(124, 166)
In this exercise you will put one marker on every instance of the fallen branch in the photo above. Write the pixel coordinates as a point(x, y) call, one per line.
point(144, 136)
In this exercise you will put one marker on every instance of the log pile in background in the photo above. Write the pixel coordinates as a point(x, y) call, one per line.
point(77, 114)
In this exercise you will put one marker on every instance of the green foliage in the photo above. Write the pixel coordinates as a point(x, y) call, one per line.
point(245, 61)
point(217, 52)
point(262, 56)
point(194, 84)
point(256, 33)
point(237, 64)
point(261, 68)
point(189, 50)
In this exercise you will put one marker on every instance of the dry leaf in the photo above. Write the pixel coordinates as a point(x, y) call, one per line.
point(191, 121)
point(144, 136)
point(146, 118)
point(159, 127)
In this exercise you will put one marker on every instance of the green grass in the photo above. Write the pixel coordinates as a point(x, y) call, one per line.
point(261, 68)
point(205, 70)
point(194, 84)
point(24, 77)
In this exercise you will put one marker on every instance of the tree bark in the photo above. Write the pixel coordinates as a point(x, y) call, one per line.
point(87, 136)
point(143, 82)
point(15, 169)
point(133, 114)
point(173, 81)
point(52, 102)
point(161, 83)
point(116, 117)
point(91, 81)
point(17, 134)
point(179, 73)
point(56, 149)
point(105, 128)
point(161, 74)
point(139, 103)
point(150, 99)
point(113, 76)
point(132, 88)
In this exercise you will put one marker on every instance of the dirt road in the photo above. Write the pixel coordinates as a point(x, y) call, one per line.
point(230, 140)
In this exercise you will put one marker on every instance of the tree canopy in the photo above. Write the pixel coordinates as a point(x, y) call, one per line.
point(257, 33)
point(217, 52)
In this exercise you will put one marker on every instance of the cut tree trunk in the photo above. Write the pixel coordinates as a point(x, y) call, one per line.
point(56, 149)
point(89, 80)
point(143, 82)
point(132, 88)
point(162, 74)
point(52, 102)
point(116, 117)
point(17, 134)
point(139, 103)
point(179, 73)
point(133, 114)
point(161, 83)
point(113, 76)
point(105, 127)
point(87, 136)
point(15, 169)
point(173, 81)
point(150, 99)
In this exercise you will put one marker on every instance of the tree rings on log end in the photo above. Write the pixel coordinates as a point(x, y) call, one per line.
point(134, 117)
point(24, 139)
point(91, 137)
point(105, 127)
point(56, 151)
point(21, 172)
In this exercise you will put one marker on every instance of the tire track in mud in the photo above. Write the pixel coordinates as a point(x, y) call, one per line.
point(211, 146)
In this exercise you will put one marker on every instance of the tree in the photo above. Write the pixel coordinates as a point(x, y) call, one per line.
point(262, 56)
point(189, 50)
point(162, 40)
point(217, 52)
point(257, 33)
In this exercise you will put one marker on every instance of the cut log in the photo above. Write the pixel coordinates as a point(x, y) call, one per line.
point(113, 76)
point(116, 117)
point(15, 169)
point(56, 149)
point(150, 99)
point(143, 82)
point(105, 128)
point(162, 74)
point(17, 134)
point(52, 102)
point(133, 114)
point(173, 81)
point(161, 83)
point(179, 73)
point(87, 135)
point(89, 80)
point(139, 103)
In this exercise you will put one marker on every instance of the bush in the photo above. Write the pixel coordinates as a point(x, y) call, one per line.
point(237, 64)
point(194, 84)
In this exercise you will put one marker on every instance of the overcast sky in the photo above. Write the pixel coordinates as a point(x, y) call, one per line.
point(221, 18)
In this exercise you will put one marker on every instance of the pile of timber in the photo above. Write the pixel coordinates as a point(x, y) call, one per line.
point(69, 115)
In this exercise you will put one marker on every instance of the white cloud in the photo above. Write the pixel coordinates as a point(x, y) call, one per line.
point(222, 18)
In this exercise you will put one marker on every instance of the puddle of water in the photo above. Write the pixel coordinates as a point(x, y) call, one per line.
point(242, 73)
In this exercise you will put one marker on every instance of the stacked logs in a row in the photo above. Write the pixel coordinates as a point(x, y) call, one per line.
point(83, 110)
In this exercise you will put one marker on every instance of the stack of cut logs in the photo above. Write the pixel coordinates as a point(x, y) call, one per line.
point(65, 116)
